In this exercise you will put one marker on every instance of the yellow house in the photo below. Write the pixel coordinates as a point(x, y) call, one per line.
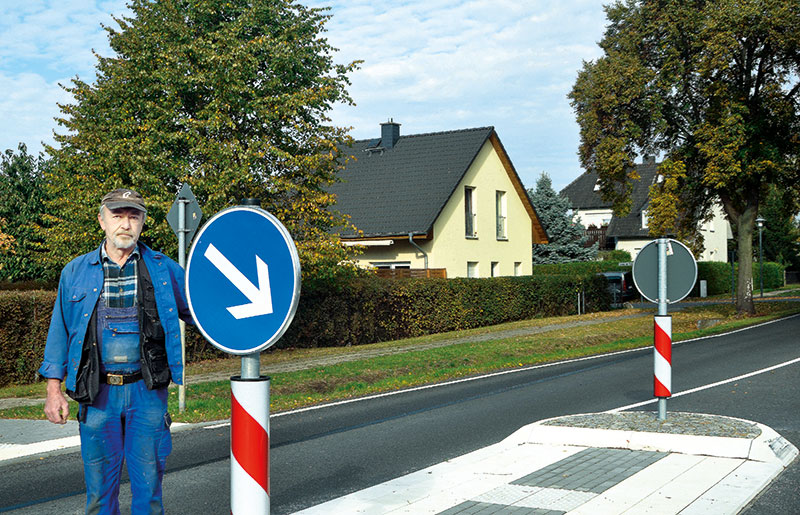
point(446, 200)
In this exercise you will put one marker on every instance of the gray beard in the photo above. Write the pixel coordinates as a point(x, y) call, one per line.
point(121, 244)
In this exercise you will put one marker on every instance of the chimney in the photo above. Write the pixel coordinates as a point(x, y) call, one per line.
point(390, 133)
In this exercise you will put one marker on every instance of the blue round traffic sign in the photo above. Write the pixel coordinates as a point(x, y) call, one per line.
point(243, 280)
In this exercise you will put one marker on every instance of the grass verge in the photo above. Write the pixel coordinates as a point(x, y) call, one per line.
point(291, 390)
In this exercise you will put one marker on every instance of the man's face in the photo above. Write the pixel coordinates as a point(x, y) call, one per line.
point(122, 226)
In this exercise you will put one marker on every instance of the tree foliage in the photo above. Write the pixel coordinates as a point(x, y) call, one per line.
point(22, 209)
point(712, 86)
point(781, 232)
point(230, 96)
point(566, 240)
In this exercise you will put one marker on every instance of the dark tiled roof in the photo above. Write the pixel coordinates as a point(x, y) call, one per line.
point(394, 191)
point(583, 196)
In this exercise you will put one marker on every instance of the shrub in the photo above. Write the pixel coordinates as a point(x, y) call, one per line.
point(717, 275)
point(369, 310)
point(618, 256)
point(580, 268)
point(350, 312)
point(24, 320)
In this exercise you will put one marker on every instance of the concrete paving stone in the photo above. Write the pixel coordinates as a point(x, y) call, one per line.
point(602, 469)
point(736, 489)
point(476, 508)
point(506, 494)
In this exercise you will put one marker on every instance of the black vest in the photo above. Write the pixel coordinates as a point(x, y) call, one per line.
point(155, 368)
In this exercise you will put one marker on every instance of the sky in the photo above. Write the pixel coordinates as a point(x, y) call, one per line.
point(430, 65)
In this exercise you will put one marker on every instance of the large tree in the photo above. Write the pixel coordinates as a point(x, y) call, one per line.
point(566, 239)
point(22, 209)
point(712, 86)
point(230, 96)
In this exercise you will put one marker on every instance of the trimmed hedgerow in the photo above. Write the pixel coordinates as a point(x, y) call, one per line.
point(372, 309)
point(353, 312)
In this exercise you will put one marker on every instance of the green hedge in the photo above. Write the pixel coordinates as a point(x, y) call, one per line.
point(581, 268)
point(717, 274)
point(373, 309)
point(773, 275)
point(359, 311)
point(24, 321)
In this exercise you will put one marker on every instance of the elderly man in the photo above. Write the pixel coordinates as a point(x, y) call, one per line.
point(114, 340)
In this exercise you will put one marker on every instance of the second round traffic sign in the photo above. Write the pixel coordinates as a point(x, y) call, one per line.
point(681, 271)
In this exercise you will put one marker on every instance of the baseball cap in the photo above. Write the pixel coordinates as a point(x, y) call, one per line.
point(123, 197)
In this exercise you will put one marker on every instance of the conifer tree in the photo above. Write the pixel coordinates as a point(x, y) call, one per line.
point(565, 235)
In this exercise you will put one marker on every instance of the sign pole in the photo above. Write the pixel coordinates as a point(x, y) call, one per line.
point(663, 374)
point(243, 294)
point(184, 218)
point(250, 442)
point(182, 261)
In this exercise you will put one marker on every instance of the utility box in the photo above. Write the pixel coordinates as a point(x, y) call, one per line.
point(703, 288)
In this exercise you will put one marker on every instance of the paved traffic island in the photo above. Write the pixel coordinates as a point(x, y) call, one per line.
point(594, 463)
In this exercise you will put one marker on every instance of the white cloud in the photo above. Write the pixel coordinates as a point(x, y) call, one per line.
point(441, 65)
point(30, 104)
point(432, 65)
point(46, 42)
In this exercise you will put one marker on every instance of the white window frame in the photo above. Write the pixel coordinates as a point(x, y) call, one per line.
point(501, 212)
point(470, 212)
point(473, 269)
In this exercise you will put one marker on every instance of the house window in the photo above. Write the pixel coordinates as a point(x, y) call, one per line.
point(470, 217)
point(472, 269)
point(644, 219)
point(391, 265)
point(517, 268)
point(495, 269)
point(500, 202)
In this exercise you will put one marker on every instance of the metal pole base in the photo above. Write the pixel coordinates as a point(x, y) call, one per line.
point(662, 409)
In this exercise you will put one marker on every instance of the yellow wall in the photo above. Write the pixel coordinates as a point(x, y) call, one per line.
point(451, 249)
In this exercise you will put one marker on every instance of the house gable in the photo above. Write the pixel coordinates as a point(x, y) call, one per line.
point(400, 190)
point(414, 189)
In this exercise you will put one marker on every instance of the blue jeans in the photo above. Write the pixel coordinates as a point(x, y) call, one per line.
point(126, 423)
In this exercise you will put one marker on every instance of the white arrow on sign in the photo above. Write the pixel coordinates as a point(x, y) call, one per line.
point(260, 296)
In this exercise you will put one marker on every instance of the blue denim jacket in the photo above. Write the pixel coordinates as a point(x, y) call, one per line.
point(79, 289)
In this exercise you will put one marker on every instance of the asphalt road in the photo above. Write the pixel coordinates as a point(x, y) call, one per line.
point(324, 453)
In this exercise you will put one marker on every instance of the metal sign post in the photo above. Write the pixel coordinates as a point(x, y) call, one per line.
point(184, 218)
point(243, 292)
point(662, 312)
point(664, 272)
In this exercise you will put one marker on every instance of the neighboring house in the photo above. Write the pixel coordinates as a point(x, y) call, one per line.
point(631, 232)
point(447, 200)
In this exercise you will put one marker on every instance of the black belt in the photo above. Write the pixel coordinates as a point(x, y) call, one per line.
point(120, 379)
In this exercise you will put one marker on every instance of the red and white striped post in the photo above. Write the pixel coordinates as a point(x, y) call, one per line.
point(662, 356)
point(249, 445)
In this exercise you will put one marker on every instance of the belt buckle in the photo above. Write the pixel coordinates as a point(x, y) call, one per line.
point(115, 379)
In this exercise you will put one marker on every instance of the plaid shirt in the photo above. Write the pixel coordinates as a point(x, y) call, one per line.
point(120, 283)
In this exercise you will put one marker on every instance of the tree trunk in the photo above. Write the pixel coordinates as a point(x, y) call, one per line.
point(744, 283)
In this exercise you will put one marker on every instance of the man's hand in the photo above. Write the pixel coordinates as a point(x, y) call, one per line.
point(56, 407)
